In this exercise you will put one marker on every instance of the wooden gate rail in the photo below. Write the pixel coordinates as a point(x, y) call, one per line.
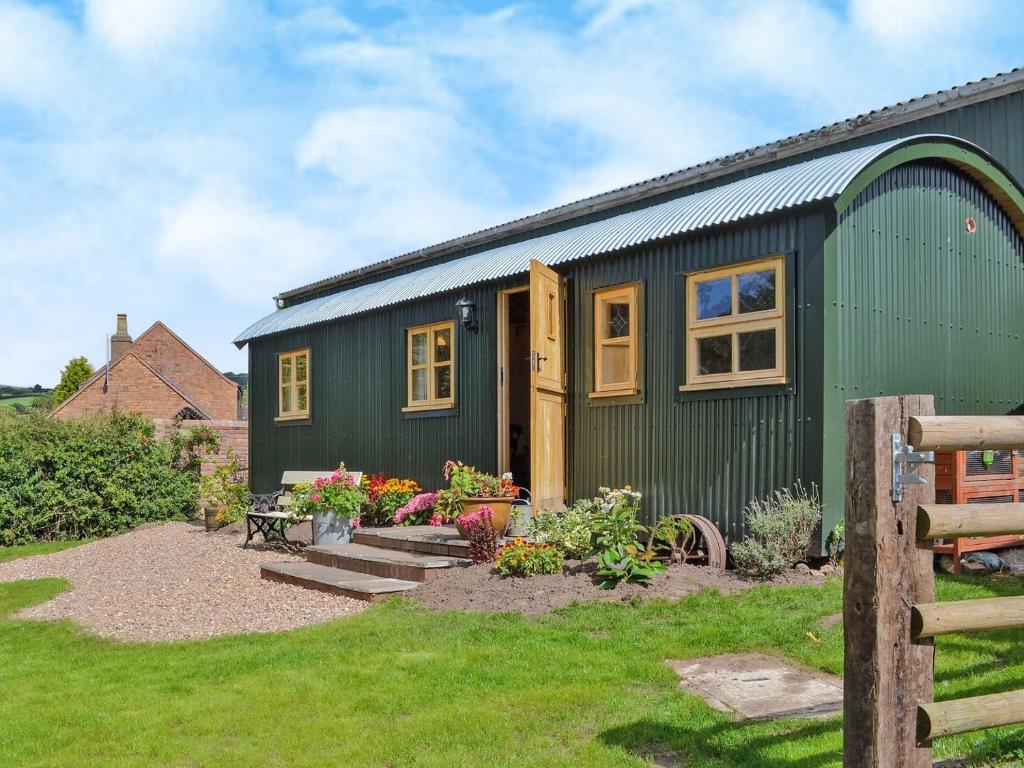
point(889, 609)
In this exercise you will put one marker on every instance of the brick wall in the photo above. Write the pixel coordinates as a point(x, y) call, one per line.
point(132, 387)
point(233, 434)
point(165, 353)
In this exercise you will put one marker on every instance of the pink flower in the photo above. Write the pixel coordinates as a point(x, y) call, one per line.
point(356, 522)
point(315, 498)
point(435, 521)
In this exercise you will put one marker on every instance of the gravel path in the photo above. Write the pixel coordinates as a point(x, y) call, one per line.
point(173, 582)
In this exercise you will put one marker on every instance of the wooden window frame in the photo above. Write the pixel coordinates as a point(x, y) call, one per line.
point(295, 413)
point(432, 403)
point(630, 292)
point(734, 324)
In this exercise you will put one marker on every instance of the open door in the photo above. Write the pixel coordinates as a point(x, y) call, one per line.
point(547, 387)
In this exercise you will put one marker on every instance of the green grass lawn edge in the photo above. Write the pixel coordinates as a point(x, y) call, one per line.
point(398, 685)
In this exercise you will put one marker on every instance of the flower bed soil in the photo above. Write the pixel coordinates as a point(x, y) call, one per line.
point(478, 588)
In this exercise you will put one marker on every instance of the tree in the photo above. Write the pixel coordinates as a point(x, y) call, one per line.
point(75, 372)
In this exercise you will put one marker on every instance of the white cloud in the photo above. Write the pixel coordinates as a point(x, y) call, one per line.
point(149, 27)
point(407, 176)
point(220, 237)
point(35, 51)
point(917, 23)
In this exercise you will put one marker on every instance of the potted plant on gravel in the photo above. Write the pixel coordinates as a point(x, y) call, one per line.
point(334, 502)
point(224, 494)
point(473, 490)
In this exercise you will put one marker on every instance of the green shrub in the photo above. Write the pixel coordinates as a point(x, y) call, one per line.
point(225, 491)
point(570, 531)
point(620, 555)
point(629, 562)
point(96, 476)
point(779, 528)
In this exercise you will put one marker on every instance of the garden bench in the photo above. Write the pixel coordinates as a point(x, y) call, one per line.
point(269, 513)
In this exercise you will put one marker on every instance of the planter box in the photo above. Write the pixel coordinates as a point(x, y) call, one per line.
point(328, 528)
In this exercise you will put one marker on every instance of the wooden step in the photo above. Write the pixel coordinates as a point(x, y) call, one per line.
point(443, 541)
point(389, 563)
point(360, 586)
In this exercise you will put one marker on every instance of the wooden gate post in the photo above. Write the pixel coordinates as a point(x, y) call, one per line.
point(886, 675)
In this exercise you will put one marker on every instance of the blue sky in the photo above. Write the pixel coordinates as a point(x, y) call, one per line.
point(184, 160)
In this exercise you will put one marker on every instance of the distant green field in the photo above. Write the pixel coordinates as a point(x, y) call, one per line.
point(20, 400)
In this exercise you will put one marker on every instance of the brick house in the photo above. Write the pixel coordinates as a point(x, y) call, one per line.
point(158, 376)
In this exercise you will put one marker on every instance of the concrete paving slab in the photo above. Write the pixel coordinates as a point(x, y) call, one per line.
point(760, 687)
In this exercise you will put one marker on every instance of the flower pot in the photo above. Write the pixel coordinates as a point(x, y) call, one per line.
point(329, 528)
point(210, 518)
point(500, 510)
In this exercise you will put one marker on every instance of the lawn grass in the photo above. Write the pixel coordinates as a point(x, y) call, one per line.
point(39, 548)
point(19, 400)
point(400, 686)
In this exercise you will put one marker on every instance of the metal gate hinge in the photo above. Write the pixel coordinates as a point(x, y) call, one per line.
point(904, 465)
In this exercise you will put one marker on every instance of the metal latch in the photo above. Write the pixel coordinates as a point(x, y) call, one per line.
point(904, 465)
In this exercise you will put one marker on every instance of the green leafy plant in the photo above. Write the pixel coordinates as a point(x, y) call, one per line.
point(779, 528)
point(614, 527)
point(627, 562)
point(571, 531)
point(225, 490)
point(620, 555)
point(338, 494)
point(66, 479)
point(671, 529)
point(671, 537)
point(468, 482)
point(75, 373)
point(447, 505)
point(524, 558)
point(835, 544)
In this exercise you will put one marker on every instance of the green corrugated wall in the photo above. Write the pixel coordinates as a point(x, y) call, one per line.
point(922, 306)
point(708, 453)
point(704, 453)
point(358, 391)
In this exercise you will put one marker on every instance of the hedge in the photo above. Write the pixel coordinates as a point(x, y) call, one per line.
point(96, 476)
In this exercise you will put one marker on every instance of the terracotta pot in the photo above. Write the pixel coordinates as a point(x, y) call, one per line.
point(500, 510)
point(210, 518)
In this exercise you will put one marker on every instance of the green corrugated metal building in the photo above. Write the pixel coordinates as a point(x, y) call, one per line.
point(694, 335)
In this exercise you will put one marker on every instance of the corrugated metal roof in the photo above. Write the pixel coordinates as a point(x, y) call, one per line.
point(811, 181)
point(867, 122)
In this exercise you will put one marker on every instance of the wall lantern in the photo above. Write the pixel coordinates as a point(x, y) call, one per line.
point(467, 313)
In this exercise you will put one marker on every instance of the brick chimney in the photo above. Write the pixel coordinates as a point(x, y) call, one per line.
point(120, 341)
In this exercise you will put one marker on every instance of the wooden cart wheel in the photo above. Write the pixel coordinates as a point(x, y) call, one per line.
point(709, 545)
point(706, 546)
